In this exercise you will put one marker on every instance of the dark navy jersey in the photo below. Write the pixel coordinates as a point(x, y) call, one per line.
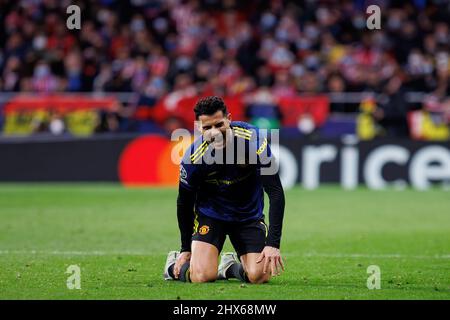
point(227, 183)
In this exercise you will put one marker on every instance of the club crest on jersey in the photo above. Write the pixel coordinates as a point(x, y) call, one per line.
point(203, 230)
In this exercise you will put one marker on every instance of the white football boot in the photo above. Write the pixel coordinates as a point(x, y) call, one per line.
point(171, 258)
point(227, 259)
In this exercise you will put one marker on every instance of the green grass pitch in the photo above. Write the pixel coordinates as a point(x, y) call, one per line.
point(120, 237)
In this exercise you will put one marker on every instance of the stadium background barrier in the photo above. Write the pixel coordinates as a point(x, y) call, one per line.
point(145, 160)
point(85, 114)
point(130, 97)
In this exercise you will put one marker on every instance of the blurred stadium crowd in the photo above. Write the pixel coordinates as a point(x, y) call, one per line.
point(259, 51)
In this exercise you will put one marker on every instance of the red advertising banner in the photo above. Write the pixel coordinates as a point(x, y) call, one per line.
point(294, 108)
point(183, 109)
point(59, 103)
point(25, 114)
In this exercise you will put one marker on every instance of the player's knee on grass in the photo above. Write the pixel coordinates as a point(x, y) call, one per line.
point(256, 275)
point(201, 274)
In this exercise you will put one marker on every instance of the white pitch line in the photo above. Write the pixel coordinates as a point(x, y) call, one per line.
point(304, 255)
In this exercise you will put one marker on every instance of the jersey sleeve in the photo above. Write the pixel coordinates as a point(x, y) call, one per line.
point(189, 174)
point(186, 200)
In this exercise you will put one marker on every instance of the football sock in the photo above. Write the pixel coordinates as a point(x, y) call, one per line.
point(236, 270)
point(184, 273)
point(170, 271)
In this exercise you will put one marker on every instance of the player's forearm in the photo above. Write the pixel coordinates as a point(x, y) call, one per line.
point(274, 189)
point(185, 216)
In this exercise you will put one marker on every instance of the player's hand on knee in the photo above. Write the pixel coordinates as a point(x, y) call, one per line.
point(273, 262)
point(182, 259)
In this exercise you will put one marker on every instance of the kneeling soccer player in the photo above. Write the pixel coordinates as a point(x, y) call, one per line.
point(220, 198)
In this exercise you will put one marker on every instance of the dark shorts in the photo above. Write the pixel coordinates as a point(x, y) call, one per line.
point(246, 237)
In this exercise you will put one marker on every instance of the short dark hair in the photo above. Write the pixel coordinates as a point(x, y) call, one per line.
point(209, 106)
